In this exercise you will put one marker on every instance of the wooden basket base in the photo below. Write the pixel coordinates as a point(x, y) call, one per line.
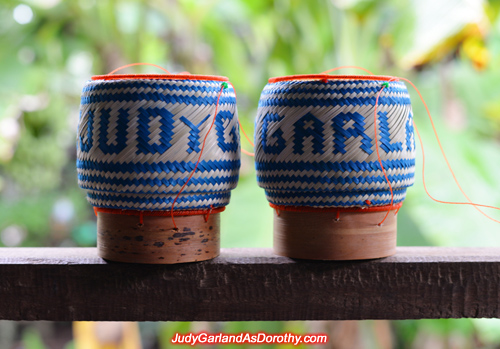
point(318, 235)
point(122, 238)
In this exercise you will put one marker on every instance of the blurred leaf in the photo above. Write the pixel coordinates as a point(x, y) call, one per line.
point(32, 339)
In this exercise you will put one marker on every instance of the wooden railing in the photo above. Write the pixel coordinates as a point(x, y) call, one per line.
point(249, 284)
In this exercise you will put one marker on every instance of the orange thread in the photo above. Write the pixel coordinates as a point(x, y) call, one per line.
point(208, 213)
point(470, 203)
point(330, 77)
point(476, 206)
point(199, 156)
point(185, 75)
point(378, 154)
point(246, 136)
point(347, 67)
point(325, 77)
point(337, 217)
point(160, 77)
point(242, 129)
point(395, 213)
point(247, 152)
point(134, 64)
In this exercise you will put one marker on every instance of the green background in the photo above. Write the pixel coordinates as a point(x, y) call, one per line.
point(449, 48)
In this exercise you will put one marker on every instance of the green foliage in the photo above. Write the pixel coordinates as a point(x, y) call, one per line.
point(45, 62)
point(32, 340)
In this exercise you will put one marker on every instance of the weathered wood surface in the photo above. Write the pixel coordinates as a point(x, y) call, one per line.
point(249, 284)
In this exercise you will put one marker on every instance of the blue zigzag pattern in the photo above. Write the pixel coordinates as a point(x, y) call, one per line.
point(335, 199)
point(286, 181)
point(157, 167)
point(331, 88)
point(278, 181)
point(314, 102)
point(170, 86)
point(173, 99)
point(210, 200)
point(329, 166)
point(154, 134)
point(97, 181)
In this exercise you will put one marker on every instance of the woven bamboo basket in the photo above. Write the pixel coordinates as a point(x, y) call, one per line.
point(316, 159)
point(139, 140)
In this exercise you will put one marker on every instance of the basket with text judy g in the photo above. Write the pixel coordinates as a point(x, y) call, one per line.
point(158, 156)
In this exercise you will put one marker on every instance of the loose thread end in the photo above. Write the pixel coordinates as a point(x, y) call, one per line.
point(141, 219)
point(207, 216)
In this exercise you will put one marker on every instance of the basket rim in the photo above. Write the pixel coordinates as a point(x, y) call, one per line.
point(158, 77)
point(312, 77)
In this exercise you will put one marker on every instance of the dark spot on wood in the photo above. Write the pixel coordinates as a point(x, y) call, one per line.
point(207, 252)
point(181, 235)
point(183, 254)
point(177, 243)
point(170, 238)
point(161, 258)
point(145, 245)
point(184, 239)
point(159, 244)
point(139, 238)
point(202, 235)
point(210, 228)
point(126, 238)
point(204, 240)
point(122, 252)
point(186, 229)
point(199, 250)
point(162, 229)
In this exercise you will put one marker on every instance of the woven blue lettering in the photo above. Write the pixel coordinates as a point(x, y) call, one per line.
point(308, 126)
point(385, 136)
point(233, 145)
point(410, 140)
point(121, 132)
point(356, 130)
point(194, 133)
point(87, 145)
point(144, 145)
point(278, 134)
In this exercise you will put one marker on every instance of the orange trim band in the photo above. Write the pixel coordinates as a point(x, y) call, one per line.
point(332, 77)
point(337, 209)
point(159, 213)
point(160, 77)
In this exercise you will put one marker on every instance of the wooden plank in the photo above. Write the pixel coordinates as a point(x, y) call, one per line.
point(66, 284)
